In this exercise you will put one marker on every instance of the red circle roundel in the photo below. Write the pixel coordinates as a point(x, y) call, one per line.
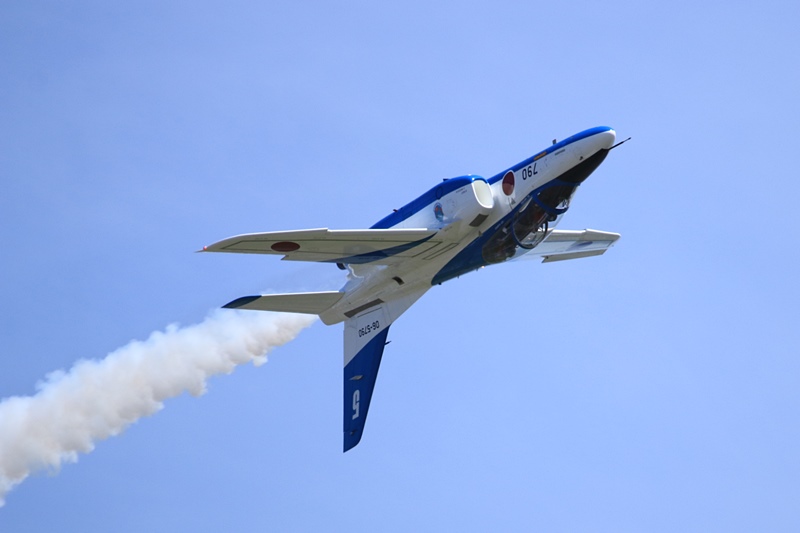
point(285, 246)
point(508, 183)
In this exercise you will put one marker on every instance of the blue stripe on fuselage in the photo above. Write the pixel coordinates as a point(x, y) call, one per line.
point(550, 149)
point(414, 207)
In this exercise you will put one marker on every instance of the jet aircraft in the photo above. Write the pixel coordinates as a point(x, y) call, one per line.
point(460, 225)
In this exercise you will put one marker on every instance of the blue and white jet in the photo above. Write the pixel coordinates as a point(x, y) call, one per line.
point(458, 226)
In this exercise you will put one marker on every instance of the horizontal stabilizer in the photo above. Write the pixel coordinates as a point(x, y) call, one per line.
point(333, 246)
point(312, 303)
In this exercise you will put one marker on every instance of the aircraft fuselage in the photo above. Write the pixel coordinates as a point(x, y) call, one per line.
point(483, 221)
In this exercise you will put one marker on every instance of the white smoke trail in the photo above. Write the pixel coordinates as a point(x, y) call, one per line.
point(97, 399)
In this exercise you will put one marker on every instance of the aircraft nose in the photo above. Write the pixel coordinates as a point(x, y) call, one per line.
point(590, 152)
point(601, 138)
point(604, 140)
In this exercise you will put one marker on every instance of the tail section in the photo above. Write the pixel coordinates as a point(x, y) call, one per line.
point(365, 333)
point(364, 340)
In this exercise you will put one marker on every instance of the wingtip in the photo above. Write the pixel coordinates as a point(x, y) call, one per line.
point(240, 302)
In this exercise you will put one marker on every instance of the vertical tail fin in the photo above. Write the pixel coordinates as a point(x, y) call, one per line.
point(360, 375)
point(364, 339)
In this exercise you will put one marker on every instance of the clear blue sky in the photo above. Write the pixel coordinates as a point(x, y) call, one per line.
point(652, 389)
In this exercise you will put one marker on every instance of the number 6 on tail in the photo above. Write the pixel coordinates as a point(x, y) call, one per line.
point(356, 401)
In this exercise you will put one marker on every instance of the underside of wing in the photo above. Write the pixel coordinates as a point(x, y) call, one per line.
point(378, 246)
point(561, 245)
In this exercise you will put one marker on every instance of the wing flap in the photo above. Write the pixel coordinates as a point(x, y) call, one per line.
point(573, 255)
point(334, 246)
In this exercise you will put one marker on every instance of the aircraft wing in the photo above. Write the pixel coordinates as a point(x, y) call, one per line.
point(561, 245)
point(375, 246)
